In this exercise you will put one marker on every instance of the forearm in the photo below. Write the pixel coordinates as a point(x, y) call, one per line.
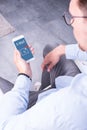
point(61, 50)
point(21, 88)
point(15, 101)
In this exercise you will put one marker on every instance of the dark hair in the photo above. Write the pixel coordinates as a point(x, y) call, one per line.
point(82, 4)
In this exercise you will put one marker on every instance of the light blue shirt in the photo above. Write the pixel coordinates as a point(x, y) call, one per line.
point(63, 108)
point(79, 56)
point(75, 53)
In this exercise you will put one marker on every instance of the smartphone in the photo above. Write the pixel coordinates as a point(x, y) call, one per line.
point(22, 46)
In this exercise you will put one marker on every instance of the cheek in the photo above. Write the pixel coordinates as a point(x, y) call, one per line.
point(80, 32)
point(77, 28)
point(81, 37)
point(77, 33)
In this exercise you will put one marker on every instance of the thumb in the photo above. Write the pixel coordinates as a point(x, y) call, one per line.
point(16, 54)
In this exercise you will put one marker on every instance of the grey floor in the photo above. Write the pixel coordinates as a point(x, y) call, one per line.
point(41, 22)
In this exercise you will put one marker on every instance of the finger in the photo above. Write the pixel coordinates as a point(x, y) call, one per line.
point(30, 45)
point(16, 52)
point(31, 48)
point(44, 63)
point(44, 66)
point(50, 66)
point(17, 55)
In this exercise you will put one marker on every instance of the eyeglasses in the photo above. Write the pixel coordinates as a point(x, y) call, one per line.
point(69, 19)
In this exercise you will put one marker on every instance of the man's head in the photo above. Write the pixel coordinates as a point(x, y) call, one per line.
point(79, 8)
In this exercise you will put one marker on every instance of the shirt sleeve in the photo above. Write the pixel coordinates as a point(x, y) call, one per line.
point(74, 52)
point(22, 82)
point(15, 101)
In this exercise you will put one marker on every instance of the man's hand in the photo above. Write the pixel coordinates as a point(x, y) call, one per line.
point(22, 65)
point(53, 57)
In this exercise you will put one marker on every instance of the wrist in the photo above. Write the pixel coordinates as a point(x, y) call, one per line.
point(26, 72)
point(61, 50)
point(25, 75)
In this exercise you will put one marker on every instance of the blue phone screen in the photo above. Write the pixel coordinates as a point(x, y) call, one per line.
point(22, 46)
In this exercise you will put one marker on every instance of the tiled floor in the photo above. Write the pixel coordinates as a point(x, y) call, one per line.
point(41, 22)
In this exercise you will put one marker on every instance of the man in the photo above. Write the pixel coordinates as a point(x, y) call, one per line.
point(64, 109)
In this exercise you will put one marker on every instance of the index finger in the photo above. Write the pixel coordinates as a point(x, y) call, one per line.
point(45, 65)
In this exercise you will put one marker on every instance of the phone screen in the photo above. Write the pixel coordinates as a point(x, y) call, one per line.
point(22, 46)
